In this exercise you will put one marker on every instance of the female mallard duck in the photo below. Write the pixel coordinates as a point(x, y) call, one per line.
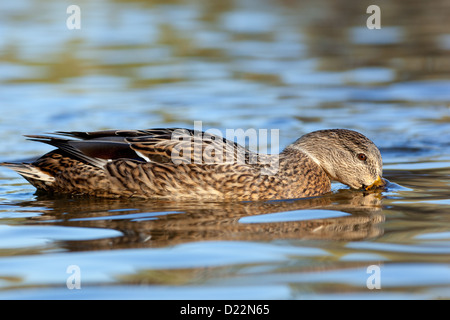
point(182, 164)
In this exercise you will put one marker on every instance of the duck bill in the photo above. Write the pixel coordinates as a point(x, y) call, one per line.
point(377, 183)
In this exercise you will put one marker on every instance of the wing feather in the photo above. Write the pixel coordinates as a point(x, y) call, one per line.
point(188, 146)
point(160, 145)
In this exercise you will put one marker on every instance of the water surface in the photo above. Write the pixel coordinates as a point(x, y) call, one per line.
point(296, 67)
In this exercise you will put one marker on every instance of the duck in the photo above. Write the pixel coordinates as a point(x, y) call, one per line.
point(185, 164)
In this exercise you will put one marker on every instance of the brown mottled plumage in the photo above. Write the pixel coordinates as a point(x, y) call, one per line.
point(182, 164)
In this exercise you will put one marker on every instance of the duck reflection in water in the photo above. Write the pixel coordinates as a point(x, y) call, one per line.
point(350, 215)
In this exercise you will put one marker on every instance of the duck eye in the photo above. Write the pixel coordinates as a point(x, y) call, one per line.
point(362, 157)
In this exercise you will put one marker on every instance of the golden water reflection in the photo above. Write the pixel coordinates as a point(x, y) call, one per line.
point(152, 43)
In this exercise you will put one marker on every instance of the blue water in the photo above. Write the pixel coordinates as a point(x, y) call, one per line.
point(232, 65)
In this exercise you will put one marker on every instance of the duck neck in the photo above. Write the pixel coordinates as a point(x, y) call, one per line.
point(304, 170)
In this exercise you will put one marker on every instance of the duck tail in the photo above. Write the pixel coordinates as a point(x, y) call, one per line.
point(33, 174)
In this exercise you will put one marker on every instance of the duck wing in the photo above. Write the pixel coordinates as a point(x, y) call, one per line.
point(162, 145)
point(179, 145)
